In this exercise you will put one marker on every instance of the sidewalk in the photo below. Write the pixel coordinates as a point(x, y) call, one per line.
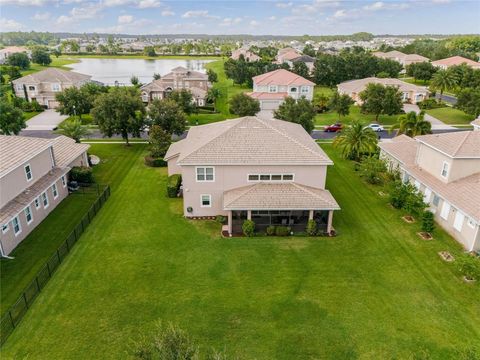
point(436, 124)
point(46, 120)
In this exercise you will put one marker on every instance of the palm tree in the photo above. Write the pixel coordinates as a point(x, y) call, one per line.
point(73, 129)
point(412, 124)
point(212, 95)
point(355, 140)
point(443, 80)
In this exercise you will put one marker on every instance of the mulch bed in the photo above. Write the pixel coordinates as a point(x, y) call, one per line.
point(408, 219)
point(425, 235)
point(446, 256)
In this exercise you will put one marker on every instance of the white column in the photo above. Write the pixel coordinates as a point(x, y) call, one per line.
point(330, 220)
point(310, 215)
point(249, 214)
point(230, 222)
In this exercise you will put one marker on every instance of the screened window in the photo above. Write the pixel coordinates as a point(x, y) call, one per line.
point(205, 174)
point(16, 226)
point(436, 200)
point(37, 202)
point(272, 88)
point(54, 191)
point(31, 88)
point(64, 182)
point(55, 87)
point(28, 214)
point(270, 177)
point(445, 170)
point(45, 200)
point(287, 177)
point(19, 87)
point(253, 177)
point(304, 89)
point(293, 89)
point(206, 200)
point(28, 172)
point(264, 177)
point(276, 177)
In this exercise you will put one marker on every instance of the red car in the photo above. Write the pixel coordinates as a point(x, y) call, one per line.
point(333, 128)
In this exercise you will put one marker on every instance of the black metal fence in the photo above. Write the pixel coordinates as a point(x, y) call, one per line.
point(15, 314)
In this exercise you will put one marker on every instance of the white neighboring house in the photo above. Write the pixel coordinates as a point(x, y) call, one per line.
point(43, 85)
point(445, 168)
point(272, 88)
point(9, 50)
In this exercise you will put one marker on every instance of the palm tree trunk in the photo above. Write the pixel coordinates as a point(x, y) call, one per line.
point(376, 117)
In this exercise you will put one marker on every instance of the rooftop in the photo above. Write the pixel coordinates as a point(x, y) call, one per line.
point(460, 144)
point(455, 60)
point(53, 75)
point(360, 84)
point(281, 77)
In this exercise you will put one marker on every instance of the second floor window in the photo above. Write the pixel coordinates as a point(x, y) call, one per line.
point(55, 87)
point(31, 88)
point(272, 88)
point(270, 177)
point(28, 214)
point(19, 87)
point(28, 172)
point(54, 191)
point(305, 90)
point(445, 170)
point(45, 200)
point(205, 174)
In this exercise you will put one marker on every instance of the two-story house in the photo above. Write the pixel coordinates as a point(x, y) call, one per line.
point(33, 181)
point(444, 64)
point(404, 59)
point(410, 93)
point(269, 171)
point(271, 88)
point(10, 50)
point(286, 54)
point(446, 169)
point(178, 78)
point(42, 86)
point(247, 55)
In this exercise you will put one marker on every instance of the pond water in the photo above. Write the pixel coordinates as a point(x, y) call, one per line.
point(109, 71)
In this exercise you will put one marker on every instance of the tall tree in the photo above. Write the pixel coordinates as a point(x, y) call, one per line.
point(72, 101)
point(378, 99)
point(212, 76)
point(120, 111)
point(157, 76)
point(212, 95)
point(355, 140)
point(412, 124)
point(341, 104)
point(309, 50)
point(134, 80)
point(73, 129)
point(300, 68)
point(168, 114)
point(443, 80)
point(243, 105)
point(184, 99)
point(300, 111)
point(41, 56)
point(19, 59)
point(11, 118)
point(421, 71)
point(149, 51)
point(468, 100)
point(159, 141)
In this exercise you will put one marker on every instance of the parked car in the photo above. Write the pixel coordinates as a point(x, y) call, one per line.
point(333, 128)
point(376, 127)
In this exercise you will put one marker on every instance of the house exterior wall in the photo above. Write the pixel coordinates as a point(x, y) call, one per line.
point(432, 161)
point(287, 89)
point(81, 160)
point(13, 183)
point(230, 177)
point(173, 168)
point(463, 167)
point(9, 240)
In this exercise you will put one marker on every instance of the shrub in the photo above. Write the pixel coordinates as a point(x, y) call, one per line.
point(428, 104)
point(397, 194)
point(220, 219)
point(428, 224)
point(271, 230)
point(173, 185)
point(82, 174)
point(469, 266)
point(248, 228)
point(406, 196)
point(311, 229)
point(373, 170)
point(282, 231)
point(154, 162)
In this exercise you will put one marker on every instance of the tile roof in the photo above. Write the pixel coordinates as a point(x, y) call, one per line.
point(267, 95)
point(304, 58)
point(455, 60)
point(53, 75)
point(251, 141)
point(289, 55)
point(174, 149)
point(281, 77)
point(66, 150)
point(459, 144)
point(402, 148)
point(359, 85)
point(282, 196)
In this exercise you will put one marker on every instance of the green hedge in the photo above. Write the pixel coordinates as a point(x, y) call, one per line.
point(282, 231)
point(173, 185)
point(154, 162)
point(82, 174)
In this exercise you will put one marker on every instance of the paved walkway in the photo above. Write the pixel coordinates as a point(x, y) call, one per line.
point(46, 120)
point(436, 124)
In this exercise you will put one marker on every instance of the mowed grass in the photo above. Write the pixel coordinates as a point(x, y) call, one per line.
point(376, 291)
point(332, 117)
point(451, 116)
point(59, 62)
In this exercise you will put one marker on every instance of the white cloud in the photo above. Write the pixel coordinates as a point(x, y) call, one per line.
point(167, 13)
point(147, 4)
point(24, 2)
point(125, 19)
point(254, 23)
point(283, 5)
point(10, 25)
point(198, 14)
point(380, 5)
point(272, 18)
point(231, 21)
point(41, 16)
point(64, 20)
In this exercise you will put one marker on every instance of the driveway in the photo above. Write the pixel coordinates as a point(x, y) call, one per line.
point(46, 120)
point(436, 124)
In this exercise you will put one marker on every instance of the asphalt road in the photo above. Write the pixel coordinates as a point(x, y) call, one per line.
point(448, 99)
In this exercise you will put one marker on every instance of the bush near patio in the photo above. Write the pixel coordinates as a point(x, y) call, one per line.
point(173, 185)
point(82, 174)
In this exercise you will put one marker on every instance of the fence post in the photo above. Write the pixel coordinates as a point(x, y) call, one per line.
point(36, 282)
point(49, 272)
point(58, 257)
point(25, 299)
point(11, 318)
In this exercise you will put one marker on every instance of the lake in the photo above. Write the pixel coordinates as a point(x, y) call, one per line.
point(108, 71)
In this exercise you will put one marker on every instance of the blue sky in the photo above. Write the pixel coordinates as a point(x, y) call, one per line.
point(294, 17)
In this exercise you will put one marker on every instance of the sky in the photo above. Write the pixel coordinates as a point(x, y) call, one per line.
point(268, 17)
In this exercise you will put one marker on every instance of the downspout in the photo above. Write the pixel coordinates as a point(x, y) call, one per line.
point(25, 92)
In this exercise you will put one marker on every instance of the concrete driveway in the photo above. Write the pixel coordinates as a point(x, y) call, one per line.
point(46, 120)
point(436, 124)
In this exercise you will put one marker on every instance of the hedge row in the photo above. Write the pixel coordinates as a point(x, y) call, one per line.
point(154, 162)
point(173, 185)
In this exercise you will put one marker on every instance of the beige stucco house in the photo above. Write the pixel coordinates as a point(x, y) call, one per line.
point(178, 78)
point(446, 169)
point(33, 181)
point(286, 54)
point(9, 50)
point(410, 93)
point(306, 59)
point(247, 55)
point(455, 61)
point(404, 59)
point(271, 88)
point(269, 171)
point(44, 85)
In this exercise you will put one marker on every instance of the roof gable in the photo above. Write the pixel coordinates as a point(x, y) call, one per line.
point(460, 144)
point(281, 77)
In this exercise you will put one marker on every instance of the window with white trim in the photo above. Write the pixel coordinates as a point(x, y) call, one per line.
point(19, 87)
point(64, 182)
point(471, 223)
point(293, 89)
point(54, 191)
point(31, 88)
point(436, 199)
point(55, 87)
point(427, 195)
point(305, 89)
point(272, 88)
point(445, 210)
point(270, 177)
point(444, 172)
point(37, 202)
point(28, 214)
point(28, 172)
point(5, 228)
point(206, 200)
point(17, 229)
point(45, 200)
point(205, 174)
point(458, 222)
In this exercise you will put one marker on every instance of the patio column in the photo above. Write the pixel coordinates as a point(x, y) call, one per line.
point(310, 215)
point(330, 220)
point(249, 214)
point(230, 222)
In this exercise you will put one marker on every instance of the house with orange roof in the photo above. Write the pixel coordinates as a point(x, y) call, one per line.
point(455, 60)
point(271, 88)
point(287, 54)
point(398, 56)
point(9, 50)
point(445, 168)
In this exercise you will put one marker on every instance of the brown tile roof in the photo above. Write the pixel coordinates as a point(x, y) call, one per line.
point(251, 141)
point(13, 207)
point(284, 196)
point(66, 150)
point(53, 75)
point(281, 77)
point(460, 144)
point(402, 148)
point(356, 86)
point(455, 60)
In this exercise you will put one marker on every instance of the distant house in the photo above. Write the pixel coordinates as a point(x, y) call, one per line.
point(273, 87)
point(178, 78)
point(306, 59)
point(404, 59)
point(455, 60)
point(247, 55)
point(445, 168)
point(269, 171)
point(43, 85)
point(286, 54)
point(410, 93)
point(9, 50)
point(33, 181)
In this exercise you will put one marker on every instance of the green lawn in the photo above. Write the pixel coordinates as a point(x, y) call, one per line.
point(331, 117)
point(59, 62)
point(28, 115)
point(323, 90)
point(451, 116)
point(376, 291)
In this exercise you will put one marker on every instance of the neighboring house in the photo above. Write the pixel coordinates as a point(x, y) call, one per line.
point(273, 87)
point(9, 50)
point(247, 55)
point(269, 171)
point(445, 168)
point(306, 59)
point(178, 78)
point(476, 124)
point(42, 86)
point(404, 59)
point(455, 60)
point(410, 93)
point(286, 54)
point(33, 181)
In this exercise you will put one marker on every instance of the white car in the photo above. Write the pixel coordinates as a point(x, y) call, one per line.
point(376, 127)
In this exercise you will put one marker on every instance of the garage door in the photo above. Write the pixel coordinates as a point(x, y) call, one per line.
point(270, 104)
point(52, 104)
